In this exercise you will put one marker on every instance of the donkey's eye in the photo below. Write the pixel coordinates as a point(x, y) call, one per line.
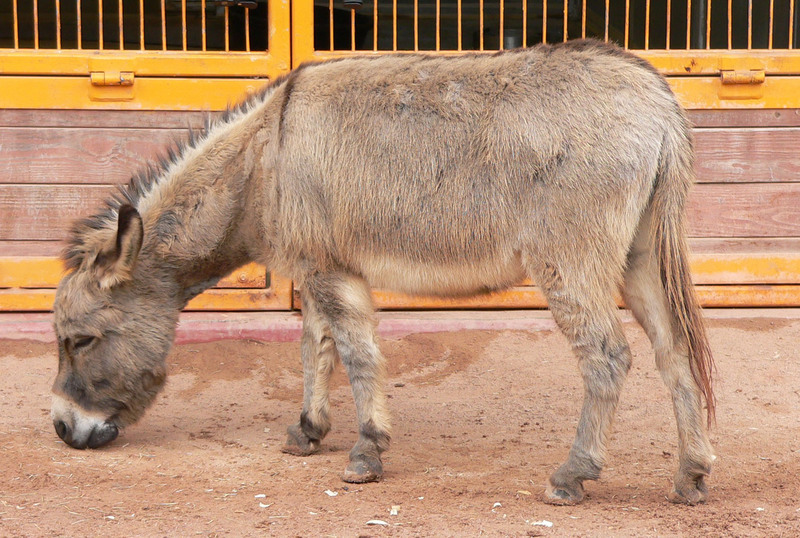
point(82, 342)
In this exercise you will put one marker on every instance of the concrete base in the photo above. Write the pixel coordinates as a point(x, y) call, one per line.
point(287, 326)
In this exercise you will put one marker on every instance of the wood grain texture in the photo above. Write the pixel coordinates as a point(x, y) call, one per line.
point(100, 119)
point(747, 155)
point(80, 155)
point(789, 117)
point(745, 210)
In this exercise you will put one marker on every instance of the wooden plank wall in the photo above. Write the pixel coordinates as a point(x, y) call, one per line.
point(744, 212)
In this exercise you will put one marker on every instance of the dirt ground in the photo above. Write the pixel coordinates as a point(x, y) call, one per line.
point(480, 421)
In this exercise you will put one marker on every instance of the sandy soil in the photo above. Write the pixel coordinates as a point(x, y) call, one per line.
point(480, 420)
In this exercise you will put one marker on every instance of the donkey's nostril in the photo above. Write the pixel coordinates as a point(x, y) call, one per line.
point(61, 429)
point(103, 435)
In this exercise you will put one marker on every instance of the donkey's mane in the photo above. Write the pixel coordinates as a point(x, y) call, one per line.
point(143, 181)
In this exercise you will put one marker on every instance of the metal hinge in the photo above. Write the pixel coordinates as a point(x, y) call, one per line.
point(748, 76)
point(111, 78)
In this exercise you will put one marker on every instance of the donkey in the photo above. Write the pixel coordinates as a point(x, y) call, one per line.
point(569, 164)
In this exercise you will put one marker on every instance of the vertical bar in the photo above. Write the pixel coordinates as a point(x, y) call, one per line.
point(228, 29)
point(121, 31)
point(58, 24)
point(647, 26)
point(566, 15)
point(524, 23)
point(100, 39)
point(544, 21)
point(246, 28)
point(16, 24)
point(480, 18)
point(607, 17)
point(730, 25)
point(36, 24)
point(688, 24)
point(791, 24)
point(352, 30)
point(669, 24)
point(141, 24)
point(204, 25)
point(771, 24)
point(749, 24)
point(439, 25)
point(164, 25)
point(183, 23)
point(394, 25)
point(330, 22)
point(583, 20)
point(459, 22)
point(416, 25)
point(375, 26)
point(627, 21)
point(80, 26)
point(708, 24)
point(502, 24)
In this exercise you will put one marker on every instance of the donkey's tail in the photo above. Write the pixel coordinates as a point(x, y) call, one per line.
point(675, 178)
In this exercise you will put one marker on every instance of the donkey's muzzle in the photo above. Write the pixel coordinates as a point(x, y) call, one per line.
point(99, 435)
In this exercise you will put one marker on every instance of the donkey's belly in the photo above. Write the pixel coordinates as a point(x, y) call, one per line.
point(451, 280)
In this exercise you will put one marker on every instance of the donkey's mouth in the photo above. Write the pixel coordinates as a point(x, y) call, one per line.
point(98, 436)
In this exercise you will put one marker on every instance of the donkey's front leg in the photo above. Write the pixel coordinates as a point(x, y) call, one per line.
point(345, 303)
point(319, 358)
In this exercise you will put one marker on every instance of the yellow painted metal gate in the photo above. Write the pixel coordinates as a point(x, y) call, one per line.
point(91, 88)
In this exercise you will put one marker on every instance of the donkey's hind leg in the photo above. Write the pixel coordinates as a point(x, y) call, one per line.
point(345, 304)
point(319, 358)
point(645, 296)
point(588, 318)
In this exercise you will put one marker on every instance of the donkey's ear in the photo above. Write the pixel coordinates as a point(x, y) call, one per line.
point(116, 262)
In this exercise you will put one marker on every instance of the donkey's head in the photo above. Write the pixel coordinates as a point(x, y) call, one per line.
point(114, 323)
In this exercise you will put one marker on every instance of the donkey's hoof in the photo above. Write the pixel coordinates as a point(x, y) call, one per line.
point(689, 491)
point(363, 469)
point(563, 494)
point(298, 443)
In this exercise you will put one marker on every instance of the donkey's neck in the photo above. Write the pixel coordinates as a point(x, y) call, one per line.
point(192, 213)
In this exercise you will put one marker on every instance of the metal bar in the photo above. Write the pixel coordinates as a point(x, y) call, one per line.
point(749, 24)
point(204, 24)
point(688, 24)
point(80, 27)
point(247, 29)
point(183, 24)
point(669, 24)
point(58, 24)
point(330, 23)
point(730, 25)
point(228, 29)
point(607, 14)
point(35, 24)
point(459, 23)
point(164, 24)
point(566, 15)
point(16, 25)
point(544, 21)
point(352, 30)
point(100, 40)
point(394, 25)
point(502, 24)
point(121, 31)
point(583, 20)
point(439, 25)
point(524, 23)
point(708, 24)
point(141, 24)
point(375, 26)
point(647, 25)
point(416, 25)
point(791, 24)
point(480, 18)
